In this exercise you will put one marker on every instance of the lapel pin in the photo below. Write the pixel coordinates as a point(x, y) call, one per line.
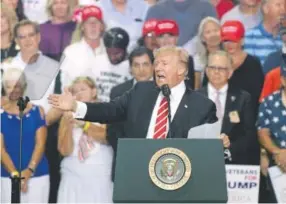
point(233, 98)
point(186, 106)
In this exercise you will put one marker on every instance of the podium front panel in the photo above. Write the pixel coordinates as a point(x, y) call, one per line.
point(133, 184)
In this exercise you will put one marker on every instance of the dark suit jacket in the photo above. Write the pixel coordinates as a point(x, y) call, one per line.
point(129, 114)
point(135, 108)
point(244, 146)
point(116, 130)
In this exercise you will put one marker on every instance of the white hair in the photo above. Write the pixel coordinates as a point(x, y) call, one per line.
point(200, 45)
point(14, 74)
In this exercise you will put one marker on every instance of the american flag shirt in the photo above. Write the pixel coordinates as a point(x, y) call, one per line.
point(272, 115)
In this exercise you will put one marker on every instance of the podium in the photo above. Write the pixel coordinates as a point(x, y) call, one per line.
point(170, 171)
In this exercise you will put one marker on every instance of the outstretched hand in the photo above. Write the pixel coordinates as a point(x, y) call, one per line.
point(64, 101)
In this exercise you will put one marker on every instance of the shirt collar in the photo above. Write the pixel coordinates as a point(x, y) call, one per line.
point(265, 33)
point(177, 91)
point(97, 51)
point(20, 59)
point(213, 90)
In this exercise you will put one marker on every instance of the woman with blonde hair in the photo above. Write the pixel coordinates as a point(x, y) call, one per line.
point(57, 32)
point(34, 169)
point(208, 41)
point(8, 21)
point(86, 167)
point(17, 7)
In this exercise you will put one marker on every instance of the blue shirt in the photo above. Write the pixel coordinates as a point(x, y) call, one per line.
point(272, 115)
point(10, 128)
point(272, 61)
point(258, 42)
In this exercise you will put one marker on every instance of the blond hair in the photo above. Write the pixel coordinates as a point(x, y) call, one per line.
point(224, 54)
point(11, 16)
point(200, 46)
point(71, 3)
point(78, 33)
point(88, 80)
point(14, 74)
point(180, 52)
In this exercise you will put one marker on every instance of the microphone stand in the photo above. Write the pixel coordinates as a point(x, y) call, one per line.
point(16, 181)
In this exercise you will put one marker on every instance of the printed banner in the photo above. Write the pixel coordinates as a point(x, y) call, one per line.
point(242, 183)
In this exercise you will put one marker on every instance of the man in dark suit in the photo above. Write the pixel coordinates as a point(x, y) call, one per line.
point(234, 108)
point(141, 64)
point(144, 108)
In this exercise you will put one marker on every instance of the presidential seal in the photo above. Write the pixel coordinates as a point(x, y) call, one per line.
point(170, 168)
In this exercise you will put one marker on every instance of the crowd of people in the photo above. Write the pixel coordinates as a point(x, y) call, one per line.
point(231, 52)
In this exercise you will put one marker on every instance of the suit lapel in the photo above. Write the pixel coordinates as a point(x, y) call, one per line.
point(147, 108)
point(229, 106)
point(181, 114)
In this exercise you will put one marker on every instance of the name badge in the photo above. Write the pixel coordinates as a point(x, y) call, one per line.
point(234, 117)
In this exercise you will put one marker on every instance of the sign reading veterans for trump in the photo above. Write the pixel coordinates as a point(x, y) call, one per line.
point(242, 183)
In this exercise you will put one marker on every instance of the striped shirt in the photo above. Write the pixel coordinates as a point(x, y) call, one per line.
point(258, 42)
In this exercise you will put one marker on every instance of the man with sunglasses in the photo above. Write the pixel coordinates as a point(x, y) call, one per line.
point(234, 109)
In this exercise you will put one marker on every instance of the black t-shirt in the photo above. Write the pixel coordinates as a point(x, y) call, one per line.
point(249, 77)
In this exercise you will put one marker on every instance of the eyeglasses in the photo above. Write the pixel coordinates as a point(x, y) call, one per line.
point(30, 35)
point(219, 69)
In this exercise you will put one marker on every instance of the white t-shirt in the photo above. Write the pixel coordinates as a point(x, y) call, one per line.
point(249, 21)
point(108, 75)
point(35, 10)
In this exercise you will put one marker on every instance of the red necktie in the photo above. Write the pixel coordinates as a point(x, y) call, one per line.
point(160, 131)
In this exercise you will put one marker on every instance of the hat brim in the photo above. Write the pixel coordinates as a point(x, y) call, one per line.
point(230, 38)
point(158, 34)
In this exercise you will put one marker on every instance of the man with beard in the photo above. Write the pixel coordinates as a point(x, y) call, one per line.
point(112, 69)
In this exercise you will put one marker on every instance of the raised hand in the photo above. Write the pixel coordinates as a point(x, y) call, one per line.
point(64, 101)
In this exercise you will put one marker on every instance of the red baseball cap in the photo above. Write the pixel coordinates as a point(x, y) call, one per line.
point(149, 26)
point(232, 31)
point(91, 11)
point(167, 26)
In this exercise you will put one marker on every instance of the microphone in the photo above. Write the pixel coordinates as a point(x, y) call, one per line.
point(167, 92)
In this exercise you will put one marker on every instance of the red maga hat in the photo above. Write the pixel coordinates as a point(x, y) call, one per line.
point(167, 26)
point(232, 31)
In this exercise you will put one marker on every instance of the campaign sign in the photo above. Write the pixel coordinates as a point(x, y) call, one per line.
point(242, 183)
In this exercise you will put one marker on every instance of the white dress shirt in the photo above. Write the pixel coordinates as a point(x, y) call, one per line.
point(176, 96)
point(212, 93)
point(38, 76)
point(78, 60)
